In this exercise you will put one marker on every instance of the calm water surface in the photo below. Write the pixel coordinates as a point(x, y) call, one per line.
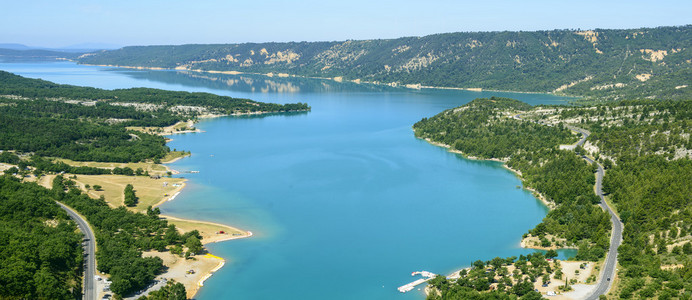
point(344, 201)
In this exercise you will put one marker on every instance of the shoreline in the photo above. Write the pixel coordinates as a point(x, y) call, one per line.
point(524, 241)
point(193, 289)
point(412, 86)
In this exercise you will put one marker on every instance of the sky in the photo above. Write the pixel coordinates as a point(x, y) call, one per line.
point(61, 23)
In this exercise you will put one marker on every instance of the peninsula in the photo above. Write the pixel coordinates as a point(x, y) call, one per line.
point(100, 153)
point(573, 177)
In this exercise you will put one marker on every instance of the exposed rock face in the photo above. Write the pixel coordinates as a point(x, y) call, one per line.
point(604, 62)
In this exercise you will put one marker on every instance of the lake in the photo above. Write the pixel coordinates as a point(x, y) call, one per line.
point(344, 202)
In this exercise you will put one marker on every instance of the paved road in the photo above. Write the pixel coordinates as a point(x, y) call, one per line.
point(89, 252)
point(608, 269)
point(608, 273)
point(585, 133)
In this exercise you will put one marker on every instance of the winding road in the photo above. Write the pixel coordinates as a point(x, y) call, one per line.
point(608, 269)
point(608, 273)
point(89, 253)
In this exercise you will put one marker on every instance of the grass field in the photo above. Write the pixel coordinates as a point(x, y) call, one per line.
point(150, 191)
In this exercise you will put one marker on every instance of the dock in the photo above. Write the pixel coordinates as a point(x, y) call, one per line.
point(411, 285)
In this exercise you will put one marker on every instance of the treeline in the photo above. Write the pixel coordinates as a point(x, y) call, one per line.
point(40, 247)
point(484, 129)
point(89, 124)
point(78, 140)
point(122, 236)
point(629, 63)
point(646, 150)
point(567, 180)
point(173, 101)
point(489, 128)
point(634, 128)
point(43, 165)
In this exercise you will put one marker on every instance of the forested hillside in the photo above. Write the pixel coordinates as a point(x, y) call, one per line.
point(34, 55)
point(646, 150)
point(90, 124)
point(40, 248)
point(488, 128)
point(40, 253)
point(632, 63)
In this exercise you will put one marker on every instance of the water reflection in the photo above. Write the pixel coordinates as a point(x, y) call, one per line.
point(253, 83)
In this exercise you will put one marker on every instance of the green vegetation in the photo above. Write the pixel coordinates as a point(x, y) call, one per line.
point(495, 275)
point(13, 55)
point(89, 124)
point(646, 150)
point(567, 180)
point(488, 128)
point(121, 236)
point(39, 121)
point(171, 291)
point(485, 128)
point(603, 63)
point(130, 197)
point(40, 252)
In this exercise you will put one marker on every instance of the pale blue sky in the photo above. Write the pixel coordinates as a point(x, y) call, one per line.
point(57, 23)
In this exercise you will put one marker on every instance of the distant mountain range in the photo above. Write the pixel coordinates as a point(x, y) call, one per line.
point(20, 52)
point(81, 48)
point(646, 62)
point(8, 54)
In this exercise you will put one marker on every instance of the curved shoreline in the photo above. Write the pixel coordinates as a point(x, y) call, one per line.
point(193, 289)
point(523, 243)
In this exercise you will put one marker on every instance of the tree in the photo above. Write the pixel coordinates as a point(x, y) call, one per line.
point(154, 213)
point(172, 235)
point(193, 244)
point(130, 197)
point(551, 254)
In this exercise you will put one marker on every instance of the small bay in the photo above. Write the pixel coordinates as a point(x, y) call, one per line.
point(344, 202)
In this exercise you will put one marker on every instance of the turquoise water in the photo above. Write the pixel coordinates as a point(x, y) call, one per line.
point(344, 201)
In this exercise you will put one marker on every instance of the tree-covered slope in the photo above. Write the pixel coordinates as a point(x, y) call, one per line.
point(651, 62)
point(90, 124)
point(490, 128)
point(40, 253)
point(646, 150)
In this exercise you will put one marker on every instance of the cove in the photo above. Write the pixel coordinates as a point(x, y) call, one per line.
point(344, 202)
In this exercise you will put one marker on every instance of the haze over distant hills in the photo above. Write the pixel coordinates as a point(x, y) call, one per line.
point(21, 52)
point(646, 62)
point(83, 47)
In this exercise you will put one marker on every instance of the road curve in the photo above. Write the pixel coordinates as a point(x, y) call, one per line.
point(608, 271)
point(90, 292)
point(585, 134)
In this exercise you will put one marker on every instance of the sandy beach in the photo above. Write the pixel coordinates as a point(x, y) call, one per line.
point(154, 191)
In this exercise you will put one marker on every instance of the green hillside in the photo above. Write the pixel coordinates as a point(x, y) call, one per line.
point(633, 63)
point(645, 148)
